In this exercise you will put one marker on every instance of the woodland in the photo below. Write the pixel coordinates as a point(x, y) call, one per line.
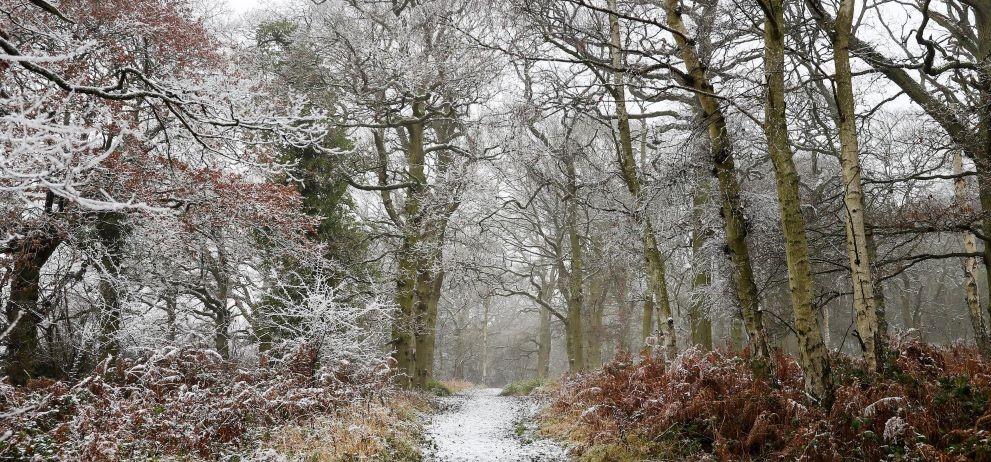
point(686, 229)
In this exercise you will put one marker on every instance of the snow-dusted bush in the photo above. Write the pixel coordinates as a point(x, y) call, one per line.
point(177, 401)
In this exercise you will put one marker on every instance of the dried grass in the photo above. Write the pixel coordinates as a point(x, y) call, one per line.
point(387, 430)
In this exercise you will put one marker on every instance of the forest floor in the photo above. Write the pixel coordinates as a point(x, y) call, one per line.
point(478, 425)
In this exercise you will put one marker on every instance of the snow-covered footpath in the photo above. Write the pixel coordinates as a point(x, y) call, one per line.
point(481, 426)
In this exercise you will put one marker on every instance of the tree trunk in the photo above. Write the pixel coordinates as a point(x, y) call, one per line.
point(546, 295)
point(544, 344)
point(574, 293)
point(879, 301)
point(980, 145)
point(410, 261)
point(700, 320)
point(647, 318)
point(856, 235)
point(402, 325)
point(486, 303)
point(654, 261)
point(658, 281)
point(623, 311)
point(222, 328)
point(428, 296)
point(725, 169)
point(826, 333)
point(110, 230)
point(972, 294)
point(597, 294)
point(812, 350)
point(23, 311)
point(171, 314)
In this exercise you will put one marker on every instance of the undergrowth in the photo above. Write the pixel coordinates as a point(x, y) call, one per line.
point(522, 387)
point(447, 387)
point(932, 404)
point(387, 431)
point(438, 388)
point(191, 404)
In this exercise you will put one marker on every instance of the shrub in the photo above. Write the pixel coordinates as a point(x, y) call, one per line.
point(931, 404)
point(175, 401)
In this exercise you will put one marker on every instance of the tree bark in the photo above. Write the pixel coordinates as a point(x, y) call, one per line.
point(410, 260)
point(647, 318)
point(402, 325)
point(544, 345)
point(971, 292)
point(23, 310)
point(110, 231)
point(222, 328)
point(812, 350)
point(428, 296)
point(880, 306)
point(171, 314)
point(856, 234)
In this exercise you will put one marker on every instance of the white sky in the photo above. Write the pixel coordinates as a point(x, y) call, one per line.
point(241, 6)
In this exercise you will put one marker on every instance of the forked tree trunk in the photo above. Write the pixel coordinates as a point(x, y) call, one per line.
point(856, 234)
point(812, 350)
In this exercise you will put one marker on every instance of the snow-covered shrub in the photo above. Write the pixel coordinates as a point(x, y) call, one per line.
point(176, 401)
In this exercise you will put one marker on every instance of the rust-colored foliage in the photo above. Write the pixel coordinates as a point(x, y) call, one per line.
point(932, 404)
point(175, 401)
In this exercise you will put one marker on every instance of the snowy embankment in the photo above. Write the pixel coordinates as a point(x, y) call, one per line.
point(481, 426)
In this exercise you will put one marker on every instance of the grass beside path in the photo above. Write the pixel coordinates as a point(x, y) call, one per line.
point(388, 430)
point(523, 387)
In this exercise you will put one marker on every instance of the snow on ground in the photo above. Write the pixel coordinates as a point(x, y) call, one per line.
point(481, 426)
